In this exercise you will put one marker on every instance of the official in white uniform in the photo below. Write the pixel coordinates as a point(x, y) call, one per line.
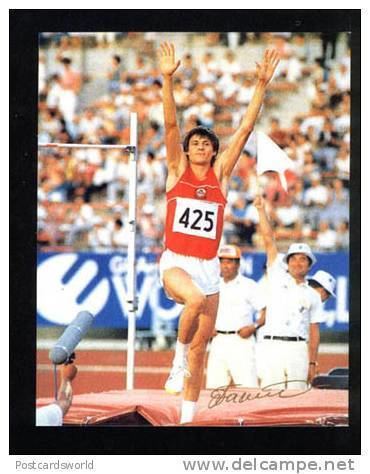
point(232, 352)
point(324, 284)
point(292, 308)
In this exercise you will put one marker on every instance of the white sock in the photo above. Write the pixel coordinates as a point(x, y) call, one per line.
point(181, 353)
point(187, 411)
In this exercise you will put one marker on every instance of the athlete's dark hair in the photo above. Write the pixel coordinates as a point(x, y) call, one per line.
point(203, 132)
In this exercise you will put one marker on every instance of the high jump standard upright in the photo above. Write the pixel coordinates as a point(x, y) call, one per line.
point(131, 252)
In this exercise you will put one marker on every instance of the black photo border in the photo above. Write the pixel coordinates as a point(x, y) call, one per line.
point(25, 438)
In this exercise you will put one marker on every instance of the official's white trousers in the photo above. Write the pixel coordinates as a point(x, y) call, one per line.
point(231, 358)
point(283, 364)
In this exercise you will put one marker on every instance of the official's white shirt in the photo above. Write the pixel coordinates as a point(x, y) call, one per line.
point(291, 307)
point(239, 299)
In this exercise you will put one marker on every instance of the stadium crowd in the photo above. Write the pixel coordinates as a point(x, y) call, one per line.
point(83, 193)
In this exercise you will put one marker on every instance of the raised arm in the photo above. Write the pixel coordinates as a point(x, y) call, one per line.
point(266, 230)
point(265, 71)
point(168, 65)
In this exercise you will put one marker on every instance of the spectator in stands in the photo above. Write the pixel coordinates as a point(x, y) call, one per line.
point(329, 47)
point(203, 110)
point(296, 192)
point(317, 142)
point(151, 177)
point(54, 89)
point(317, 194)
point(337, 209)
point(328, 144)
point(82, 220)
point(276, 133)
point(326, 237)
point(152, 138)
point(99, 237)
point(246, 90)
point(117, 175)
point(120, 235)
point(42, 74)
point(287, 217)
point(309, 168)
point(114, 74)
point(243, 224)
point(188, 72)
point(316, 198)
point(342, 115)
point(342, 77)
point(89, 123)
point(229, 64)
point(106, 38)
point(207, 69)
point(70, 82)
point(342, 164)
point(51, 126)
point(342, 230)
point(181, 93)
point(150, 229)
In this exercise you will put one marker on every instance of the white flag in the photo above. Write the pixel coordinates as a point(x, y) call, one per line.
point(270, 157)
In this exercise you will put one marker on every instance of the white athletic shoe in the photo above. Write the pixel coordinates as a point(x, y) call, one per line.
point(175, 381)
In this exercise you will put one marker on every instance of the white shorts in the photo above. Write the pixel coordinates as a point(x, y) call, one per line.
point(204, 273)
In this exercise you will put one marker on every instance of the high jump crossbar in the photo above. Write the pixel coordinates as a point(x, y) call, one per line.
point(127, 148)
point(131, 250)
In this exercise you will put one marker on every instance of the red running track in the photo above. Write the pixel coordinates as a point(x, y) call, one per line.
point(103, 370)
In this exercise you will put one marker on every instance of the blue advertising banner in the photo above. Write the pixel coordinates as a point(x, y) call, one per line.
point(71, 282)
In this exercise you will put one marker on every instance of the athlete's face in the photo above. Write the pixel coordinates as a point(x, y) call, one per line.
point(229, 268)
point(298, 265)
point(200, 150)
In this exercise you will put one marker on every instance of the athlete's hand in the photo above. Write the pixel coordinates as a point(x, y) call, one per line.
point(246, 331)
point(166, 58)
point(266, 69)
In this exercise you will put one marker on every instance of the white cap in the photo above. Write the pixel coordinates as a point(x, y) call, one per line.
point(300, 248)
point(229, 251)
point(325, 280)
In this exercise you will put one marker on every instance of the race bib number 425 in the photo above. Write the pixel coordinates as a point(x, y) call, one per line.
point(197, 218)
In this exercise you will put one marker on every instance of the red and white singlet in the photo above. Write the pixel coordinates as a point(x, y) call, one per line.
point(195, 215)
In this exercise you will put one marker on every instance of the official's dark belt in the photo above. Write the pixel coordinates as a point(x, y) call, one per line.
point(285, 338)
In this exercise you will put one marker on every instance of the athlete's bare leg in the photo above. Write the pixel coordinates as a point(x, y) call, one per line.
point(181, 288)
point(198, 347)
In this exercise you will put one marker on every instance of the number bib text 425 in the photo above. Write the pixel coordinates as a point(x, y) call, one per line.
point(198, 218)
